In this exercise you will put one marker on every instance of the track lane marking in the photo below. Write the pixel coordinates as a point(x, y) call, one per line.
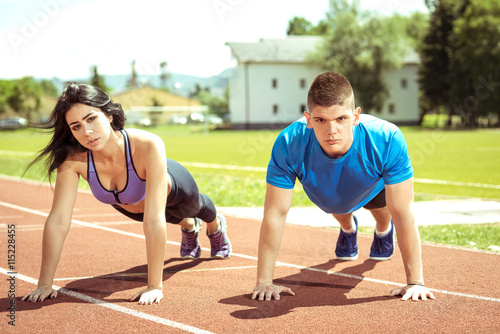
point(111, 306)
point(329, 272)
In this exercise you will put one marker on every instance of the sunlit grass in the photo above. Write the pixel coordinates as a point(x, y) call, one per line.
point(460, 156)
point(474, 236)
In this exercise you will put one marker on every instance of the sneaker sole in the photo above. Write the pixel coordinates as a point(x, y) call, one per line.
point(380, 258)
point(189, 257)
point(348, 258)
point(220, 257)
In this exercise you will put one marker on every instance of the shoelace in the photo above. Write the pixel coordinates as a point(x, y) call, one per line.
point(189, 239)
point(377, 244)
point(217, 239)
point(344, 242)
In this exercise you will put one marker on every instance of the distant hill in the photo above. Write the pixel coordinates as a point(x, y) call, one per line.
point(186, 83)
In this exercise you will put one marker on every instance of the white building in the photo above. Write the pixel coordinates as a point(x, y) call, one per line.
point(270, 83)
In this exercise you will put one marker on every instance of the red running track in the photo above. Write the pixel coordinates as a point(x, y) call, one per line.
point(104, 263)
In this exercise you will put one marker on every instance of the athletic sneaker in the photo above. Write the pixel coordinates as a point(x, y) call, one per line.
point(347, 244)
point(190, 245)
point(383, 247)
point(219, 242)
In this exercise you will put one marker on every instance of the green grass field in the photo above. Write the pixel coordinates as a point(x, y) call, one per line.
point(471, 157)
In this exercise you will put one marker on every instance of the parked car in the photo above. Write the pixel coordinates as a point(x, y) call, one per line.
point(196, 117)
point(215, 120)
point(177, 119)
point(13, 123)
point(137, 119)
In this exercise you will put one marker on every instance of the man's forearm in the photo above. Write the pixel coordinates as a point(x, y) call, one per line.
point(409, 245)
point(269, 244)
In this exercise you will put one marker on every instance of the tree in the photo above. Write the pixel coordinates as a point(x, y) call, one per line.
point(98, 80)
point(24, 96)
point(299, 26)
point(476, 38)
point(415, 27)
point(435, 54)
point(164, 75)
point(132, 82)
point(460, 56)
point(362, 46)
point(216, 105)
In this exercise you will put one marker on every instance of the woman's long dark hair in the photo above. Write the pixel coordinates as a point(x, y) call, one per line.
point(63, 144)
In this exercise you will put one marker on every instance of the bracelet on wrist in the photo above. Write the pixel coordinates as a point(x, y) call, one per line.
point(418, 284)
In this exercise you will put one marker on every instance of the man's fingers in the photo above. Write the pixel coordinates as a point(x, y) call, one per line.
point(270, 292)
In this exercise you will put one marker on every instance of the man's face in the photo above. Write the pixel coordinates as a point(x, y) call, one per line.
point(333, 128)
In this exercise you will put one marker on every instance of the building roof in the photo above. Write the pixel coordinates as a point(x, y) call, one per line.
point(411, 57)
point(292, 49)
point(149, 96)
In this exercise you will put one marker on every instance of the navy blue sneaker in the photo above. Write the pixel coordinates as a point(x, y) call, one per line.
point(383, 247)
point(347, 244)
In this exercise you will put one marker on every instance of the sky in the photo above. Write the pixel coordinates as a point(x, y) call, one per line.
point(64, 38)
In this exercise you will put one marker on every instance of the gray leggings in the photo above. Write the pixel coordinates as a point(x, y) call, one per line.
point(184, 199)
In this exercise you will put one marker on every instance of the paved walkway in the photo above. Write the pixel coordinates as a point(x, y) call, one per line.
point(468, 211)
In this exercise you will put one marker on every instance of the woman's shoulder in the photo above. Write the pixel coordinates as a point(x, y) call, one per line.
point(76, 161)
point(143, 140)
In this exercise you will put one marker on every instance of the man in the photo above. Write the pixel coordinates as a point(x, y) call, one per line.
point(344, 161)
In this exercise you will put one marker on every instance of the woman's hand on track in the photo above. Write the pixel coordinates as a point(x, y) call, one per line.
point(148, 296)
point(415, 292)
point(268, 291)
point(40, 294)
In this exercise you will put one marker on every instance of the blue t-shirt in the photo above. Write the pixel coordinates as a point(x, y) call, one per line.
point(378, 156)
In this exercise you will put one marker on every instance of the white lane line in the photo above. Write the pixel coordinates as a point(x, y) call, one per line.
point(39, 227)
point(458, 184)
point(111, 306)
point(135, 235)
point(264, 169)
point(361, 278)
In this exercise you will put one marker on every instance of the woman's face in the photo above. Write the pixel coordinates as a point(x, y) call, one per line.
point(89, 125)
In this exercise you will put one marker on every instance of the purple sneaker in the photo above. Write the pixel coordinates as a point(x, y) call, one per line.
point(219, 242)
point(383, 247)
point(190, 245)
point(347, 244)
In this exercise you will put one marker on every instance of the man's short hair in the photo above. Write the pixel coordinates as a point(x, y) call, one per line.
point(330, 89)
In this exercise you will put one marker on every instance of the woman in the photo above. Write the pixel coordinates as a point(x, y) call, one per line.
point(128, 170)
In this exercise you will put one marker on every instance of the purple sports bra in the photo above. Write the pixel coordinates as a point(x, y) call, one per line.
point(135, 188)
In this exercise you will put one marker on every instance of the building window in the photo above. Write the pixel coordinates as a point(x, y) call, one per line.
point(302, 108)
point(392, 108)
point(274, 83)
point(275, 109)
point(302, 83)
point(404, 83)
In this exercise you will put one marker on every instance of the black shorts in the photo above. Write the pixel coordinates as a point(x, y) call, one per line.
point(184, 199)
point(377, 202)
